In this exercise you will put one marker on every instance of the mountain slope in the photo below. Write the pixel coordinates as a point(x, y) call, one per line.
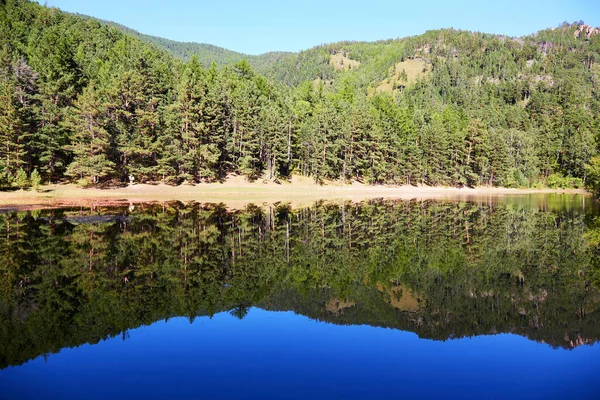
point(378, 62)
point(206, 53)
point(83, 101)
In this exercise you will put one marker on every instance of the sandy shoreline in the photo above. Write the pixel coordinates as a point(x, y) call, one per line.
point(237, 192)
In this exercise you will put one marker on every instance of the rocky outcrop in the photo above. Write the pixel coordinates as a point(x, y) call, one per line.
point(586, 31)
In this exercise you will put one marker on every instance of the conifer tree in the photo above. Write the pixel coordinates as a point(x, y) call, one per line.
point(90, 142)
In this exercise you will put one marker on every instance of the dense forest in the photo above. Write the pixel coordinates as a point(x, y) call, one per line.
point(82, 101)
point(442, 270)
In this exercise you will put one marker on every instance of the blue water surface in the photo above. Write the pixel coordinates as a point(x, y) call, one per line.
point(287, 356)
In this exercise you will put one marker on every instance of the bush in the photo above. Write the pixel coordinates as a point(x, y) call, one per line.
point(593, 176)
point(537, 185)
point(8, 179)
point(577, 183)
point(84, 182)
point(22, 181)
point(517, 179)
point(556, 181)
point(36, 179)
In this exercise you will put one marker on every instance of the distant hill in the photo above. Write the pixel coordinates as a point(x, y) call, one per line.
point(206, 53)
point(320, 62)
point(385, 65)
point(273, 64)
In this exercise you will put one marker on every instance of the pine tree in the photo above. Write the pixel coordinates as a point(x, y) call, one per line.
point(91, 141)
point(248, 97)
point(36, 180)
point(59, 79)
point(12, 132)
point(137, 100)
point(21, 180)
point(188, 108)
point(216, 126)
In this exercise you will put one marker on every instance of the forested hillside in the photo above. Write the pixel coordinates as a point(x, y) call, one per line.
point(206, 53)
point(82, 101)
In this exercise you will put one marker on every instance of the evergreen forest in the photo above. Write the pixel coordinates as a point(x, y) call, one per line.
point(90, 102)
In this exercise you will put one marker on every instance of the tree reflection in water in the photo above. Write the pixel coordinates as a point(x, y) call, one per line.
point(440, 269)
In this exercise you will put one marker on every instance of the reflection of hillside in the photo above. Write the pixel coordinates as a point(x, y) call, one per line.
point(401, 298)
point(373, 309)
point(335, 305)
point(441, 270)
point(576, 342)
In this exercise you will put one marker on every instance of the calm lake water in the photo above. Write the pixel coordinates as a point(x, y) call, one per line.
point(481, 299)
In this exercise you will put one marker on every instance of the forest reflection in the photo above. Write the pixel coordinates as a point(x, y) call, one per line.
point(440, 269)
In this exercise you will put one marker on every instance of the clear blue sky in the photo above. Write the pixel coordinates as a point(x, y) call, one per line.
point(258, 26)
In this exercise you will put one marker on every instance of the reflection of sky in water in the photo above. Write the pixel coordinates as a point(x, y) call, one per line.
point(283, 355)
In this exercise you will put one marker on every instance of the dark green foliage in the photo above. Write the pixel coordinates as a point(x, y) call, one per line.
point(81, 99)
point(90, 139)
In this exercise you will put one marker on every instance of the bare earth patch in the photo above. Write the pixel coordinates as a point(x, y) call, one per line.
point(413, 69)
point(341, 62)
point(401, 298)
point(237, 192)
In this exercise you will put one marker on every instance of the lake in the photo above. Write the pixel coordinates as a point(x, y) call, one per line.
point(485, 298)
